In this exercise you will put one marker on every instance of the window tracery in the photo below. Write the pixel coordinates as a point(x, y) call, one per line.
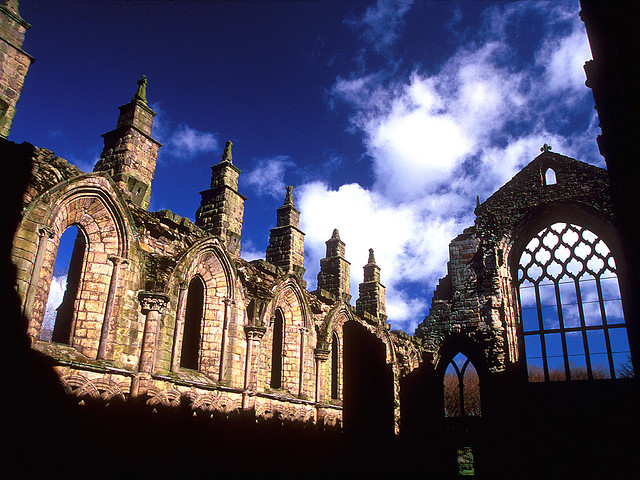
point(572, 318)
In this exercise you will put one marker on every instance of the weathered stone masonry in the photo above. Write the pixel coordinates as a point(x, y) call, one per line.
point(131, 314)
point(166, 313)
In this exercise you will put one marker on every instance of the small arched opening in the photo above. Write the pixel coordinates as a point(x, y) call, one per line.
point(192, 324)
point(461, 387)
point(550, 177)
point(276, 350)
point(57, 325)
point(335, 366)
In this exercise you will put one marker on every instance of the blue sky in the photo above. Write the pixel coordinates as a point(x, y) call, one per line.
point(387, 117)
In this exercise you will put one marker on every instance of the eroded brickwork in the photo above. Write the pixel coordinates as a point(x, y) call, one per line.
point(127, 331)
point(476, 299)
point(14, 62)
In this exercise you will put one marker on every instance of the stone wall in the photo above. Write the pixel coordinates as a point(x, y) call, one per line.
point(15, 62)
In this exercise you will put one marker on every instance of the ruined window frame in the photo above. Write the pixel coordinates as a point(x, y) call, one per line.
point(189, 328)
point(277, 349)
point(70, 329)
point(335, 366)
point(461, 386)
point(554, 333)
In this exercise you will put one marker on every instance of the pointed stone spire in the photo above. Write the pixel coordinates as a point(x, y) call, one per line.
point(335, 270)
point(286, 241)
point(221, 211)
point(15, 62)
point(371, 299)
point(129, 154)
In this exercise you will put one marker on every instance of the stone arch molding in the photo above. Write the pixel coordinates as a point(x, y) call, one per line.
point(527, 226)
point(223, 310)
point(91, 203)
point(299, 338)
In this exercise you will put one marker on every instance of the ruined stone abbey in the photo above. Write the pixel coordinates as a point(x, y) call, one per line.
point(163, 317)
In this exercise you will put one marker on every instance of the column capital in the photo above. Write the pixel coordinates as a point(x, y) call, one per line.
point(321, 354)
point(152, 301)
point(45, 231)
point(254, 332)
point(118, 260)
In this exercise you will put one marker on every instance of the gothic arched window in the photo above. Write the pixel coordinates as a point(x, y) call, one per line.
point(461, 389)
point(276, 350)
point(192, 324)
point(65, 285)
point(572, 319)
point(550, 177)
point(335, 364)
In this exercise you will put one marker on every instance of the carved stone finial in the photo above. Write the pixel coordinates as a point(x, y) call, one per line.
point(335, 234)
point(477, 200)
point(141, 92)
point(545, 148)
point(288, 199)
point(372, 259)
point(226, 155)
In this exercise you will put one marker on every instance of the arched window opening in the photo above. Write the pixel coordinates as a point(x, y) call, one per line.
point(461, 389)
point(65, 284)
point(276, 351)
point(192, 324)
point(569, 297)
point(550, 177)
point(335, 359)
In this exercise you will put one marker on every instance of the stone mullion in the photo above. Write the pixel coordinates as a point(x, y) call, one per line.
point(108, 311)
point(45, 234)
point(179, 326)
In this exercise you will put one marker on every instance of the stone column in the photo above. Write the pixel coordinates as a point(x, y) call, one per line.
point(45, 234)
point(108, 310)
point(175, 353)
point(301, 372)
point(321, 356)
point(152, 305)
point(223, 344)
point(254, 335)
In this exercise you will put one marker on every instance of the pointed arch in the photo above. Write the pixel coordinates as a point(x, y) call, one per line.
point(461, 368)
point(223, 316)
point(277, 339)
point(298, 339)
point(336, 366)
point(190, 352)
point(90, 202)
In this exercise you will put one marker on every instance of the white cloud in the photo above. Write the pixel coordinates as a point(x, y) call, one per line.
point(180, 142)
point(437, 140)
point(250, 252)
point(267, 177)
point(380, 24)
point(407, 235)
point(563, 59)
point(187, 142)
point(56, 293)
